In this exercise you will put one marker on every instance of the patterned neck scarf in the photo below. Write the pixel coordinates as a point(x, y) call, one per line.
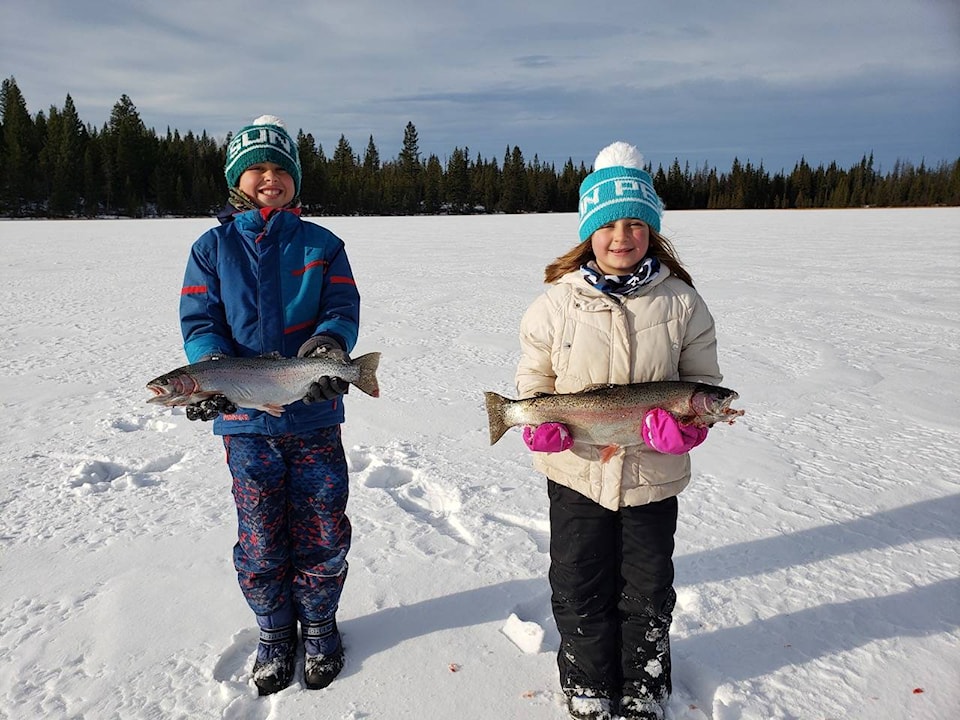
point(243, 202)
point(623, 285)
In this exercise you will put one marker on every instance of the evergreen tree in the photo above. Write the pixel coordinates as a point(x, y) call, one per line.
point(541, 187)
point(659, 181)
point(952, 184)
point(410, 179)
point(371, 182)
point(433, 186)
point(311, 181)
point(456, 192)
point(862, 181)
point(568, 186)
point(168, 183)
point(485, 184)
point(737, 185)
point(513, 190)
point(344, 198)
point(129, 157)
point(202, 172)
point(64, 159)
point(802, 182)
point(94, 177)
point(674, 188)
point(18, 159)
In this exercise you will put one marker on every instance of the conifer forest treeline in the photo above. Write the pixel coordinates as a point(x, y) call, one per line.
point(54, 165)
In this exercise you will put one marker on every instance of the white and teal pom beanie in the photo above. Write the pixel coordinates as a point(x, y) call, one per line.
point(618, 188)
point(265, 140)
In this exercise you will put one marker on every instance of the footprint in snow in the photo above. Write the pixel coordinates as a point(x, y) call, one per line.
point(96, 476)
point(425, 500)
point(134, 424)
point(537, 529)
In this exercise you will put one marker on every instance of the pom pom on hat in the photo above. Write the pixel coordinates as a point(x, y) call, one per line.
point(619, 154)
point(265, 140)
point(269, 120)
point(618, 188)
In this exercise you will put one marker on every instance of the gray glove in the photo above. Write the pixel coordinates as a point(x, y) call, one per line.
point(318, 345)
point(327, 387)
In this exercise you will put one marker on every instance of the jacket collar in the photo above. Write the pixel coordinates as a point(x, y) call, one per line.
point(230, 212)
point(582, 287)
point(261, 221)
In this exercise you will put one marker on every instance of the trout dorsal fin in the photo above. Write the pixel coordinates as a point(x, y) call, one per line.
point(598, 386)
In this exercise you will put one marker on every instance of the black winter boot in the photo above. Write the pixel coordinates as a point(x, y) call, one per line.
point(276, 655)
point(322, 653)
point(636, 708)
point(588, 707)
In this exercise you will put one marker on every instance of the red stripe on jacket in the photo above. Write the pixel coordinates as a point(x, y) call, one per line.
point(308, 266)
point(193, 289)
point(300, 326)
point(342, 280)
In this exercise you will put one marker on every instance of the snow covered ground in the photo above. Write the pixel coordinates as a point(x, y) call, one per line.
point(817, 558)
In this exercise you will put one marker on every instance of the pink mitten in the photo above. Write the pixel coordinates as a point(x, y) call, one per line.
point(549, 437)
point(665, 435)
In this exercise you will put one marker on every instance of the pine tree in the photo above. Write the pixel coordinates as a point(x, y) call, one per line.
point(513, 190)
point(433, 186)
point(344, 198)
point(18, 160)
point(457, 186)
point(568, 186)
point(674, 189)
point(167, 178)
point(803, 186)
point(64, 159)
point(485, 184)
point(94, 176)
point(371, 181)
point(128, 158)
point(311, 182)
point(410, 179)
point(541, 187)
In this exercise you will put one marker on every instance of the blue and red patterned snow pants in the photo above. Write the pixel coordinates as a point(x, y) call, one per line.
point(293, 532)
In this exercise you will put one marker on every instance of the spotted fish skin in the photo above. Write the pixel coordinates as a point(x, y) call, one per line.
point(611, 415)
point(263, 383)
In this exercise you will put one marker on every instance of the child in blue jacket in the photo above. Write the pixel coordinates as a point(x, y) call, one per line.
point(266, 281)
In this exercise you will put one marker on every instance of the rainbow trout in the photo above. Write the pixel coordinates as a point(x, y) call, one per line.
point(263, 383)
point(610, 416)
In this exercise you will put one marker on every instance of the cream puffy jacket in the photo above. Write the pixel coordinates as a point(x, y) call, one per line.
point(574, 336)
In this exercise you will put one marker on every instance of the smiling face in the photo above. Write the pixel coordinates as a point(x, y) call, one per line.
point(620, 246)
point(268, 184)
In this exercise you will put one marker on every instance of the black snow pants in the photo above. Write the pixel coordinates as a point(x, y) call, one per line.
point(611, 574)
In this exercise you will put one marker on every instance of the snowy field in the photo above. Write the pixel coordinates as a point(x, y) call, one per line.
point(817, 555)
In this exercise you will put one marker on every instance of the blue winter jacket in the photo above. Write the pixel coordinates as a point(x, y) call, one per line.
point(263, 282)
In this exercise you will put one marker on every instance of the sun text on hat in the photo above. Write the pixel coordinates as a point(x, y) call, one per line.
point(618, 188)
point(264, 140)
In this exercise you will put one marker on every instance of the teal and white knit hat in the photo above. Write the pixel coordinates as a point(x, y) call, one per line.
point(265, 140)
point(618, 188)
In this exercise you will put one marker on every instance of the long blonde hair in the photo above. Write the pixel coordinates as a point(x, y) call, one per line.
point(660, 248)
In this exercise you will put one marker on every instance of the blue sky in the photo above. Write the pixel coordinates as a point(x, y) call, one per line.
point(698, 80)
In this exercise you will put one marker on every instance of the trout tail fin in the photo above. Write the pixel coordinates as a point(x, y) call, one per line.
point(367, 382)
point(496, 404)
